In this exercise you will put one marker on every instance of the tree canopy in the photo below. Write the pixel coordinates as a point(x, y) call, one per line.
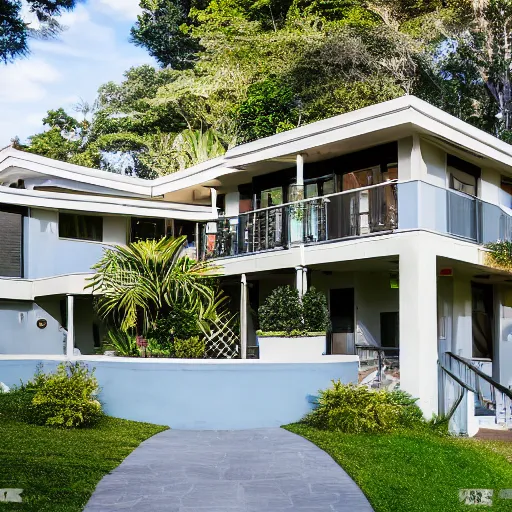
point(235, 70)
point(15, 32)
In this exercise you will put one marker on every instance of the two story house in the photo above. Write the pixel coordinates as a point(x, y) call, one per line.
point(385, 209)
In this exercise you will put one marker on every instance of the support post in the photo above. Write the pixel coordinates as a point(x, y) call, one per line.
point(300, 170)
point(304, 280)
point(70, 340)
point(418, 325)
point(243, 317)
point(299, 280)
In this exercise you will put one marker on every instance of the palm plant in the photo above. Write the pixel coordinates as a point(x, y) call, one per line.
point(192, 147)
point(145, 278)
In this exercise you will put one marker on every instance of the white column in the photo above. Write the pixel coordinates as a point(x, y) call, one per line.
point(70, 340)
point(304, 280)
point(418, 325)
point(299, 280)
point(243, 317)
point(300, 170)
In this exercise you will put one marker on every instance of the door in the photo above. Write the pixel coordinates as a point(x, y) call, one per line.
point(341, 302)
point(389, 330)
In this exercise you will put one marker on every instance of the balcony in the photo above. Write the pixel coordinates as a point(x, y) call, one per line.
point(353, 213)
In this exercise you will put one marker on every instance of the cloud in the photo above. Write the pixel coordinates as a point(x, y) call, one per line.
point(129, 9)
point(25, 80)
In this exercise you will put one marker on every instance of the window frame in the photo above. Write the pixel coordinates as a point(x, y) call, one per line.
point(79, 237)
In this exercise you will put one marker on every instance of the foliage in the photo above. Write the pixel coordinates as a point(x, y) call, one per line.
point(381, 465)
point(143, 280)
point(290, 334)
point(124, 343)
point(500, 253)
point(270, 107)
point(282, 311)
point(64, 399)
point(15, 32)
point(179, 323)
point(159, 29)
point(356, 409)
point(240, 70)
point(315, 311)
point(60, 468)
point(193, 348)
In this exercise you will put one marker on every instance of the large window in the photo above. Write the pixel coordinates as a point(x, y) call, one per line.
point(81, 227)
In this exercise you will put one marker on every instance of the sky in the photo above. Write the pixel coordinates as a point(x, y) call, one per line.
point(93, 49)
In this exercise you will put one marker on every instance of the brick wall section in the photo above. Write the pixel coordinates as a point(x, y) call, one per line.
point(10, 244)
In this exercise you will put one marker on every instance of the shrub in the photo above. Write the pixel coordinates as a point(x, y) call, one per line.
point(316, 312)
point(282, 311)
point(501, 253)
point(65, 398)
point(355, 409)
point(179, 323)
point(124, 343)
point(193, 348)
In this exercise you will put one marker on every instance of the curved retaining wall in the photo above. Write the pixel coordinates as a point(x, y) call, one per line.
point(201, 394)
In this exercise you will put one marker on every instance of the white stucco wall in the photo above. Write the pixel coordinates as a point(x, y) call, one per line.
point(433, 164)
point(48, 255)
point(19, 333)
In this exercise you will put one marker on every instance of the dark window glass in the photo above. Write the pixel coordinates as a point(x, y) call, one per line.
point(81, 227)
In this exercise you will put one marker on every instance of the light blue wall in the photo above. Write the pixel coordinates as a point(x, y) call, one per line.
point(19, 333)
point(48, 255)
point(232, 395)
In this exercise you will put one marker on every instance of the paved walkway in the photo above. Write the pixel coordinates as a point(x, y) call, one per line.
point(263, 470)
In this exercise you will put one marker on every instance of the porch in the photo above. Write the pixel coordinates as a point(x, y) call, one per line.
point(401, 316)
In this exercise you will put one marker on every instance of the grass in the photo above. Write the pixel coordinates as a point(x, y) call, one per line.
point(420, 472)
point(59, 469)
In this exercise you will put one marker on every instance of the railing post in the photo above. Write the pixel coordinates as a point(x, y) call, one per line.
point(243, 317)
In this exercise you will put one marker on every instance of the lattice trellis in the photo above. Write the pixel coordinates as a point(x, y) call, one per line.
point(223, 342)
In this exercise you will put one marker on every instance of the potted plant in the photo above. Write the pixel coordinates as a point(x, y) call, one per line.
point(291, 328)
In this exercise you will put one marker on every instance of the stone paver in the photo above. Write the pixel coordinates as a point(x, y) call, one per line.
point(262, 470)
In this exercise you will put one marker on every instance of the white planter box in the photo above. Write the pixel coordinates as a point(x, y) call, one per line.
point(276, 348)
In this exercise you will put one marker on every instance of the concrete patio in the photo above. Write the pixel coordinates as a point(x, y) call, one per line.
point(261, 470)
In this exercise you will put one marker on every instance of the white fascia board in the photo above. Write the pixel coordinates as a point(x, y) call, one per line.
point(48, 167)
point(192, 177)
point(108, 205)
point(15, 289)
point(407, 110)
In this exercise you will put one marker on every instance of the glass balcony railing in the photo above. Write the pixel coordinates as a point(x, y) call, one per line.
point(360, 212)
point(426, 206)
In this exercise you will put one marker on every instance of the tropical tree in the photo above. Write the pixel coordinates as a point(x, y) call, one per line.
point(15, 31)
point(143, 280)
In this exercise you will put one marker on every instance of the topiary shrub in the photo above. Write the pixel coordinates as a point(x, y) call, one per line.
point(282, 311)
point(64, 399)
point(355, 409)
point(315, 311)
point(193, 348)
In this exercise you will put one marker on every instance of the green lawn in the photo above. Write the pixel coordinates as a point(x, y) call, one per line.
point(59, 469)
point(407, 472)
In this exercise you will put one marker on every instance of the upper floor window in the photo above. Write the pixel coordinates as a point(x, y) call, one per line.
point(81, 227)
point(463, 176)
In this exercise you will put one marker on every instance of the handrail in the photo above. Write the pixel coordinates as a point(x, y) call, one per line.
point(481, 374)
point(457, 380)
point(327, 196)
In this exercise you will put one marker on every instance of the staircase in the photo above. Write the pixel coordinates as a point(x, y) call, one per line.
point(492, 408)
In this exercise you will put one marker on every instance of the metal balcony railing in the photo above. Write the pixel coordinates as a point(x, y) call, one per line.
point(359, 212)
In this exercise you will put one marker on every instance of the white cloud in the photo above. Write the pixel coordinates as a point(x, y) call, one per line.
point(25, 80)
point(129, 9)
